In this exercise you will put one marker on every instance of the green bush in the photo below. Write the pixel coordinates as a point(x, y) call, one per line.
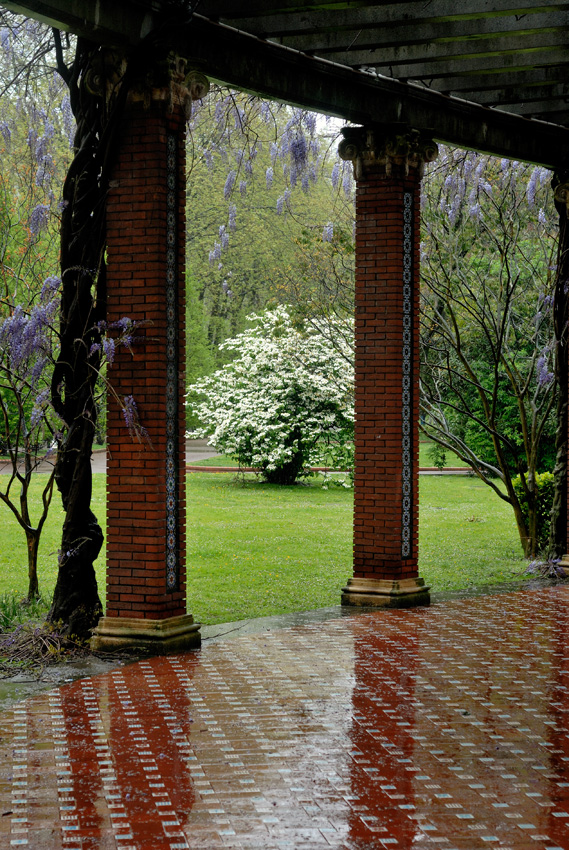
point(545, 486)
point(437, 455)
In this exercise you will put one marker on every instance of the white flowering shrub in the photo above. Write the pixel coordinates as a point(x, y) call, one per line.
point(284, 404)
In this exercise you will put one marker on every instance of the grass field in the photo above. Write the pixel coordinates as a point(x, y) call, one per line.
point(256, 549)
point(424, 459)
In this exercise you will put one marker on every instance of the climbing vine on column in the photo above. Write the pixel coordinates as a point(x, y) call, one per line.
point(97, 90)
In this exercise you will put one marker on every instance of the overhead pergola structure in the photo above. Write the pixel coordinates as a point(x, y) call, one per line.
point(488, 75)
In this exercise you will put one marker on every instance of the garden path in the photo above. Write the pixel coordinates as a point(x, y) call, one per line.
point(446, 727)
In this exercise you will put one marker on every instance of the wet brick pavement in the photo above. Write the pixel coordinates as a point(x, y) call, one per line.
point(441, 728)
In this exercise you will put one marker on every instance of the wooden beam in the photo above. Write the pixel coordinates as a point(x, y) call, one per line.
point(277, 72)
point(525, 95)
point(434, 74)
point(275, 19)
point(442, 34)
point(282, 14)
point(125, 22)
point(415, 61)
point(473, 86)
point(540, 109)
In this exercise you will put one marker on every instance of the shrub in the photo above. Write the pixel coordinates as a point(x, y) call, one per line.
point(283, 404)
point(545, 487)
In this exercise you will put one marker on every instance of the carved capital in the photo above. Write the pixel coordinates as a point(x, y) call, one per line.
point(105, 73)
point(394, 150)
point(560, 186)
point(169, 81)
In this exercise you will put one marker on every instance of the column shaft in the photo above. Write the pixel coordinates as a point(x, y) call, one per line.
point(146, 592)
point(387, 375)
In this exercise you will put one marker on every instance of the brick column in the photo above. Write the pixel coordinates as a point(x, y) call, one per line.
point(387, 166)
point(146, 580)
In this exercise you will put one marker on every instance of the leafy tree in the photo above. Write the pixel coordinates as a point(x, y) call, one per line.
point(283, 404)
point(34, 150)
point(28, 423)
point(261, 176)
point(487, 335)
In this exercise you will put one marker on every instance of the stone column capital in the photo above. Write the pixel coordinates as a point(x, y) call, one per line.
point(173, 82)
point(169, 80)
point(560, 186)
point(391, 149)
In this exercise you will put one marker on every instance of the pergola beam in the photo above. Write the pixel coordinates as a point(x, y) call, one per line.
point(277, 72)
point(404, 45)
point(317, 40)
point(417, 61)
point(440, 79)
point(272, 17)
point(474, 87)
point(125, 22)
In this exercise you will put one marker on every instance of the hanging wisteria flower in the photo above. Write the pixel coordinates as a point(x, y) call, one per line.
point(299, 151)
point(224, 236)
point(229, 184)
point(131, 419)
point(6, 132)
point(532, 185)
point(544, 376)
point(336, 174)
point(38, 219)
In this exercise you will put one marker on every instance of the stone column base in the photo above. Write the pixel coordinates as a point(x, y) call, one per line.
point(147, 637)
point(564, 563)
point(383, 593)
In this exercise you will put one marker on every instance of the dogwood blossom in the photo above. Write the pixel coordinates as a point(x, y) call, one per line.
point(284, 403)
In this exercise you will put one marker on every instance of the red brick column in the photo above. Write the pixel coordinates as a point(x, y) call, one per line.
point(388, 170)
point(146, 580)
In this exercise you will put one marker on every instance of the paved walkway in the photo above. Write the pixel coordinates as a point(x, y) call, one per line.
point(441, 728)
point(195, 450)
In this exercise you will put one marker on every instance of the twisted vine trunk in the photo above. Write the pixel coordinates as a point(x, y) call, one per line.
point(558, 534)
point(76, 602)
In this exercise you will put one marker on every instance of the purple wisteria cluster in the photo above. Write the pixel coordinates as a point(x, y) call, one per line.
point(125, 338)
point(470, 180)
point(241, 123)
point(27, 338)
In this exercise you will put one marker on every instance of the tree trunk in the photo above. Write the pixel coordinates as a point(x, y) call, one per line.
point(558, 533)
point(288, 472)
point(76, 604)
point(32, 541)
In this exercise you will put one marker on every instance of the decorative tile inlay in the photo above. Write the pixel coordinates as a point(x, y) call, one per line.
point(406, 390)
point(172, 425)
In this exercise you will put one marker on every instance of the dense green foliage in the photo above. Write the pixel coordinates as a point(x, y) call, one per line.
point(265, 197)
point(487, 334)
point(545, 488)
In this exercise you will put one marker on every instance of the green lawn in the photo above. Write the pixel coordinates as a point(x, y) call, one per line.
point(424, 459)
point(257, 549)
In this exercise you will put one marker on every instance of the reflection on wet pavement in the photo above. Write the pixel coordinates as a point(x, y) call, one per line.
point(445, 727)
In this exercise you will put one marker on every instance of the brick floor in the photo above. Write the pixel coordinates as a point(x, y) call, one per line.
point(441, 728)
